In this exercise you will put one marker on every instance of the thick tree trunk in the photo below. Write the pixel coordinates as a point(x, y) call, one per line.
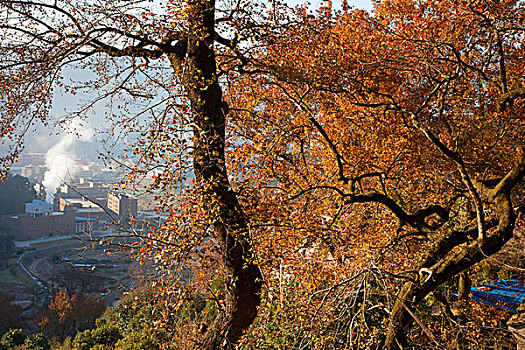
point(445, 262)
point(411, 294)
point(242, 276)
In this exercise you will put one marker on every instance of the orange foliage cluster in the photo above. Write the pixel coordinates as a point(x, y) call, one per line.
point(67, 315)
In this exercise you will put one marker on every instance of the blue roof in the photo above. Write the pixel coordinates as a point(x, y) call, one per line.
point(80, 219)
point(37, 202)
point(506, 294)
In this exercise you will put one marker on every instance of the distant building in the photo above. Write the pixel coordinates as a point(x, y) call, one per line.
point(35, 225)
point(106, 175)
point(84, 190)
point(85, 202)
point(40, 221)
point(39, 208)
point(151, 218)
point(33, 171)
point(30, 159)
point(85, 225)
point(15, 170)
point(124, 205)
point(100, 219)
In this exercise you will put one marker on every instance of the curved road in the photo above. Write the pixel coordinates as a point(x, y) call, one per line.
point(28, 257)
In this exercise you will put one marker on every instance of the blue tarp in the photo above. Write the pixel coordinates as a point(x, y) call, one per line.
point(506, 294)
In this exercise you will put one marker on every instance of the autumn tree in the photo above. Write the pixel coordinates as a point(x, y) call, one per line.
point(337, 156)
point(66, 315)
point(387, 144)
point(130, 45)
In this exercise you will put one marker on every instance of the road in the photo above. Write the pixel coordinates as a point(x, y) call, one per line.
point(29, 256)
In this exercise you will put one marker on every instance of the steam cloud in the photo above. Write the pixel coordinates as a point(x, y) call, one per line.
point(60, 162)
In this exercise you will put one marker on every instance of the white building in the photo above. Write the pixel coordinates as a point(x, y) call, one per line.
point(39, 208)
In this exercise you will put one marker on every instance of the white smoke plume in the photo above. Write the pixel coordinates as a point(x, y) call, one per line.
point(60, 159)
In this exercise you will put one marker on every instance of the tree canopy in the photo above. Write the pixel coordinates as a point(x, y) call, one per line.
point(66, 315)
point(14, 194)
point(352, 163)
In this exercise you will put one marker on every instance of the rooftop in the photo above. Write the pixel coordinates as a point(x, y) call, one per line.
point(37, 202)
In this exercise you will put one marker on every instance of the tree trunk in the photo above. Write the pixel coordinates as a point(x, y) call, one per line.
point(447, 263)
point(464, 287)
point(242, 276)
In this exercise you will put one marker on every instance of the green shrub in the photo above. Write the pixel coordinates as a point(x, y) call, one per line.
point(83, 340)
point(65, 345)
point(13, 337)
point(103, 335)
point(101, 347)
point(106, 334)
point(37, 342)
point(138, 340)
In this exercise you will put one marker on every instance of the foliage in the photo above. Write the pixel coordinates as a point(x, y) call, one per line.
point(102, 335)
point(135, 310)
point(13, 338)
point(14, 194)
point(64, 345)
point(356, 162)
point(331, 317)
point(130, 324)
point(65, 315)
point(138, 340)
point(37, 342)
point(106, 333)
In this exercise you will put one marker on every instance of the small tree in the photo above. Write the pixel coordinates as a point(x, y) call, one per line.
point(66, 315)
point(105, 334)
point(127, 326)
